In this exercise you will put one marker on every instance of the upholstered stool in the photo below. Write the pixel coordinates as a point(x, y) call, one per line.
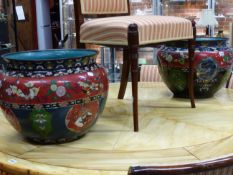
point(130, 33)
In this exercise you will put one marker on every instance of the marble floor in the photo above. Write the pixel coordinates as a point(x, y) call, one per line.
point(171, 132)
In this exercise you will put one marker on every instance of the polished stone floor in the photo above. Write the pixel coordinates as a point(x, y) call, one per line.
point(171, 132)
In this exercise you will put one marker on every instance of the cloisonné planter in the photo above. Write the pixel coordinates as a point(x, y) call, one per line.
point(212, 67)
point(52, 96)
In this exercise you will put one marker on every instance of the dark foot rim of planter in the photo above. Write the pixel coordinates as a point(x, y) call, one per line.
point(52, 142)
point(183, 95)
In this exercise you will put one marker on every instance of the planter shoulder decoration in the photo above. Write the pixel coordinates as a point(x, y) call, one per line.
point(52, 96)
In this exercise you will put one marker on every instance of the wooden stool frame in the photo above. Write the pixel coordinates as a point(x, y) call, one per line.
point(130, 57)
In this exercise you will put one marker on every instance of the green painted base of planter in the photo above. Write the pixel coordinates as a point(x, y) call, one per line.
point(176, 80)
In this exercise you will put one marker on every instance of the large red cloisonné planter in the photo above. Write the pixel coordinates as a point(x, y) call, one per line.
point(52, 96)
point(212, 67)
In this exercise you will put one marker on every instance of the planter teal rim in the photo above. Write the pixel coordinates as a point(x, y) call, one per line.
point(209, 39)
point(49, 55)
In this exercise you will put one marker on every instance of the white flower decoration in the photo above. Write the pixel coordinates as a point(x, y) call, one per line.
point(61, 91)
point(33, 92)
point(20, 93)
point(9, 91)
point(221, 54)
point(49, 73)
point(53, 87)
point(70, 71)
point(169, 58)
point(90, 74)
point(14, 89)
point(29, 84)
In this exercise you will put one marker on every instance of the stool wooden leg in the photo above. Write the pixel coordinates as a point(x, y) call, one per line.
point(134, 74)
point(133, 41)
point(125, 73)
point(191, 50)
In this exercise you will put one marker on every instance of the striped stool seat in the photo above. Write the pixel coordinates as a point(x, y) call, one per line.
point(152, 29)
point(150, 73)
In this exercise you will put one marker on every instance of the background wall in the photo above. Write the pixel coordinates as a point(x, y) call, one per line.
point(224, 11)
point(3, 25)
point(1, 5)
point(26, 30)
point(224, 7)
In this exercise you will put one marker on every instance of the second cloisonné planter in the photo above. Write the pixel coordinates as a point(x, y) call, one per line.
point(52, 96)
point(212, 67)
